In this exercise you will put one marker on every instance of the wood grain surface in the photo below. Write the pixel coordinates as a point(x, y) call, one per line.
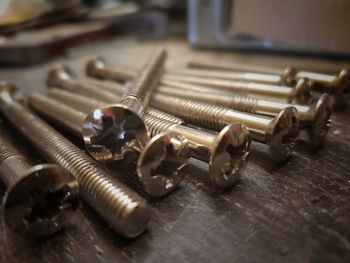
point(297, 212)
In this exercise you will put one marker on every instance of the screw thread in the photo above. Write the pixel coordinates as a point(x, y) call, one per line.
point(157, 125)
point(114, 201)
point(145, 81)
point(163, 115)
point(218, 97)
point(7, 150)
point(201, 114)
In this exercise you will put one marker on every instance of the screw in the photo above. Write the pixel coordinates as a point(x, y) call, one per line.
point(337, 84)
point(87, 104)
point(122, 208)
point(314, 118)
point(39, 199)
point(226, 152)
point(274, 79)
point(122, 123)
point(279, 132)
point(160, 161)
point(300, 93)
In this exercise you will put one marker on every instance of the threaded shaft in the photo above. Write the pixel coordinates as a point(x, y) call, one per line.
point(115, 202)
point(156, 125)
point(7, 150)
point(163, 115)
point(144, 83)
point(241, 103)
point(205, 115)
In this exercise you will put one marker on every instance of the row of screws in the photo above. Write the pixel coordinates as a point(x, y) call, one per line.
point(263, 129)
point(226, 152)
point(122, 208)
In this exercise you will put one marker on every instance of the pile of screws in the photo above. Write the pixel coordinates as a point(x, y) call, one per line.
point(163, 117)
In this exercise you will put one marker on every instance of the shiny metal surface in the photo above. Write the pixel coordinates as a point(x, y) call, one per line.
point(117, 131)
point(159, 163)
point(337, 84)
point(124, 210)
point(279, 133)
point(270, 86)
point(314, 118)
point(39, 199)
point(226, 152)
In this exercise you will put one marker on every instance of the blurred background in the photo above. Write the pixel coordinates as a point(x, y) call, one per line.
point(36, 30)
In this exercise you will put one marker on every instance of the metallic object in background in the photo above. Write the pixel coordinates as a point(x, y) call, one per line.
point(274, 79)
point(314, 118)
point(122, 208)
point(97, 68)
point(299, 94)
point(122, 123)
point(160, 162)
point(226, 152)
point(39, 199)
point(337, 84)
point(279, 133)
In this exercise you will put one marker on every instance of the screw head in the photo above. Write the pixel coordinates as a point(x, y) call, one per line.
point(160, 163)
point(230, 154)
point(283, 134)
point(288, 76)
point(39, 204)
point(93, 65)
point(114, 133)
point(342, 89)
point(321, 120)
point(58, 75)
point(302, 92)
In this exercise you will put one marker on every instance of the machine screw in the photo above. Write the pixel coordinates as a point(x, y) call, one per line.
point(279, 132)
point(226, 152)
point(122, 208)
point(300, 93)
point(39, 199)
point(337, 84)
point(314, 118)
point(118, 132)
point(160, 162)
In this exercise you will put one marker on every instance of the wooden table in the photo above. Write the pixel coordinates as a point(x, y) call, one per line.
point(297, 212)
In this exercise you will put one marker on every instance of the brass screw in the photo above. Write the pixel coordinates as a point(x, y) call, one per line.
point(160, 162)
point(300, 93)
point(226, 152)
point(314, 118)
point(279, 133)
point(39, 199)
point(122, 208)
point(337, 84)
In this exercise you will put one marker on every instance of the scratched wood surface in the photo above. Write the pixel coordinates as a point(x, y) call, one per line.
point(298, 212)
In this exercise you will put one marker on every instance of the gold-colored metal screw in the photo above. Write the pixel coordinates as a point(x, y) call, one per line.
point(122, 208)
